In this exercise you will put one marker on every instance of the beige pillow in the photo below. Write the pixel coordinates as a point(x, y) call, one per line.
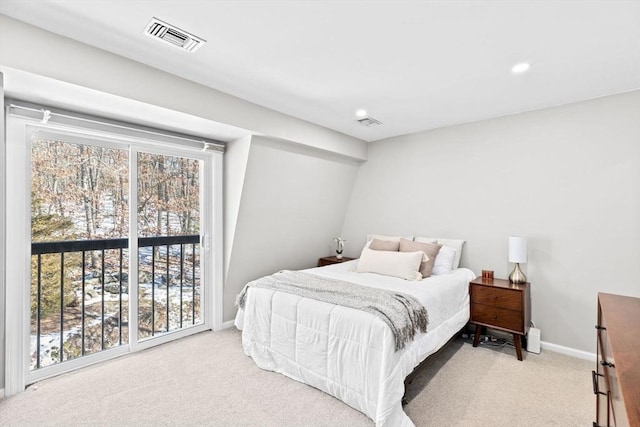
point(370, 237)
point(431, 251)
point(384, 245)
point(404, 265)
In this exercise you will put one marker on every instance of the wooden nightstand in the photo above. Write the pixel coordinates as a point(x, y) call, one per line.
point(328, 260)
point(502, 305)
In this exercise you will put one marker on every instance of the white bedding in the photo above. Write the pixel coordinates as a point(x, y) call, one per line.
point(345, 352)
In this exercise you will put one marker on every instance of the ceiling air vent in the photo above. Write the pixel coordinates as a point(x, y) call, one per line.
point(368, 121)
point(173, 35)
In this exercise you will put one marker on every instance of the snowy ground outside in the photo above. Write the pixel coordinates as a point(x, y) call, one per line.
point(50, 342)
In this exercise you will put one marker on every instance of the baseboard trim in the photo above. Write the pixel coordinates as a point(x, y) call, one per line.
point(228, 324)
point(568, 351)
point(2, 393)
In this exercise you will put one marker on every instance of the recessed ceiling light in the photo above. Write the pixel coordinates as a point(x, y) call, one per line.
point(361, 113)
point(521, 68)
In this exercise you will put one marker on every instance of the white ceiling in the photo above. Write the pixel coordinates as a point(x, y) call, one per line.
point(413, 65)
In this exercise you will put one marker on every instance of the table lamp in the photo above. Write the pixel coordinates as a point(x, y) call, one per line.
point(517, 255)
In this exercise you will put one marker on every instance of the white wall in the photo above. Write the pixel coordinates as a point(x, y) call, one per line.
point(567, 178)
point(235, 167)
point(3, 240)
point(294, 201)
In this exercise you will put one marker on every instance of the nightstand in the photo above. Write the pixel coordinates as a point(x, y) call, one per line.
point(502, 305)
point(328, 260)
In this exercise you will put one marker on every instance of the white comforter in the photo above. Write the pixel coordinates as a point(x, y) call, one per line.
point(345, 352)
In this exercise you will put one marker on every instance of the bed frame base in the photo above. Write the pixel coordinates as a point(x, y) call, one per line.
point(409, 379)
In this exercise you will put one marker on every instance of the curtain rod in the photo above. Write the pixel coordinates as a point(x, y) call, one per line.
point(47, 113)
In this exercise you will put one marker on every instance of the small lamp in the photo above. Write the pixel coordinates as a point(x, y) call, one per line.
point(339, 246)
point(517, 254)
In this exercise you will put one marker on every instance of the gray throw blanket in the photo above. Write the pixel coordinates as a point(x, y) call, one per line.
point(403, 313)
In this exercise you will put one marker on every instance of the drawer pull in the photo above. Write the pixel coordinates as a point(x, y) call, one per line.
point(495, 297)
point(607, 364)
point(601, 328)
point(495, 316)
point(594, 379)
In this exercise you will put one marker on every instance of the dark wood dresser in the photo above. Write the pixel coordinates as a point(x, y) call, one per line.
point(502, 305)
point(616, 380)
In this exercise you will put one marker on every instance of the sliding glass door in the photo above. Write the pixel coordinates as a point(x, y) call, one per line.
point(117, 233)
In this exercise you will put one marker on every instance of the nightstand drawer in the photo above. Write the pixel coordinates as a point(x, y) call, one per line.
point(501, 298)
point(498, 317)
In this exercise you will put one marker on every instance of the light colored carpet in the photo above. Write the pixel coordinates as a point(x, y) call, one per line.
point(207, 380)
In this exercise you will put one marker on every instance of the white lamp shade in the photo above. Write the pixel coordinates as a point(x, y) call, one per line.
point(517, 249)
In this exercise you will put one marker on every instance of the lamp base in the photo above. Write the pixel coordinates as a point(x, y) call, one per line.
point(517, 276)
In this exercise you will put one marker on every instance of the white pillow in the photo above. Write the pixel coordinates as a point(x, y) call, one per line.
point(452, 243)
point(405, 265)
point(444, 261)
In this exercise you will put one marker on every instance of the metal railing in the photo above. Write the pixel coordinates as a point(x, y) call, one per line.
point(116, 268)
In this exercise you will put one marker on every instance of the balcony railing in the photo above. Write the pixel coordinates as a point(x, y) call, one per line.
point(105, 261)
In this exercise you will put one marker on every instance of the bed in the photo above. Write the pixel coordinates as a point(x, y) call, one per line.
point(348, 353)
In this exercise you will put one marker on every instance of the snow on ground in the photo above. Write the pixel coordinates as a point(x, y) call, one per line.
point(50, 343)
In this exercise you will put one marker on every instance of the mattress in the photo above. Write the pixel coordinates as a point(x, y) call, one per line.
point(348, 353)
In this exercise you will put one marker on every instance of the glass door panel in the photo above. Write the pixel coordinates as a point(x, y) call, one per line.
point(169, 285)
point(79, 260)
